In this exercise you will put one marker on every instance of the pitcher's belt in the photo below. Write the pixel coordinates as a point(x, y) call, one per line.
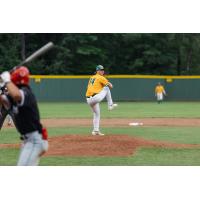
point(90, 96)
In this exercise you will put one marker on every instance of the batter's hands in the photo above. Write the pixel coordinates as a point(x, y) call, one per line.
point(2, 84)
point(5, 77)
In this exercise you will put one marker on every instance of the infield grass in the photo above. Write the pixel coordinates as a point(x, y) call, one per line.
point(182, 135)
point(143, 157)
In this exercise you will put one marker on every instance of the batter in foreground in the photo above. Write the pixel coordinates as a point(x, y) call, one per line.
point(98, 88)
point(21, 103)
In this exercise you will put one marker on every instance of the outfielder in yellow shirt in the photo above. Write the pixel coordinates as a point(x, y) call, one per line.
point(98, 88)
point(159, 92)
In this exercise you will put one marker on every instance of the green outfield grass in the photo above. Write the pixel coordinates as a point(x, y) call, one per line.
point(143, 156)
point(124, 110)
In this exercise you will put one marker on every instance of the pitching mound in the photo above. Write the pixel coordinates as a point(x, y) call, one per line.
point(110, 145)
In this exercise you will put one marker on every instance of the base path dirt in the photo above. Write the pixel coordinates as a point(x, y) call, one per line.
point(120, 122)
point(116, 122)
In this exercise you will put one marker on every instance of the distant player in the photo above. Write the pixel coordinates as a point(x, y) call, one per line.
point(159, 92)
point(98, 88)
point(9, 120)
point(22, 104)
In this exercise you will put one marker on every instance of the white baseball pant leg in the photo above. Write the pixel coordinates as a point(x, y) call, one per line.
point(94, 104)
point(96, 116)
point(9, 119)
point(32, 149)
point(159, 96)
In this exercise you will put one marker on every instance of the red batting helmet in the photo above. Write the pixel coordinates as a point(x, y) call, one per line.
point(20, 76)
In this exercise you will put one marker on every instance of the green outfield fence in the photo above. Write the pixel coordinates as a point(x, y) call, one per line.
point(126, 87)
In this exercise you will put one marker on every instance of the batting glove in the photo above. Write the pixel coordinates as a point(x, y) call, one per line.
point(5, 77)
point(2, 84)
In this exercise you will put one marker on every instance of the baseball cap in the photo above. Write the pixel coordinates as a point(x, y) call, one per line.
point(99, 67)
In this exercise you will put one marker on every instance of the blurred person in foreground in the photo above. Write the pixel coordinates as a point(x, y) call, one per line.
point(22, 104)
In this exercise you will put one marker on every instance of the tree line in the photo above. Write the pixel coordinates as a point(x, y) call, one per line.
point(120, 53)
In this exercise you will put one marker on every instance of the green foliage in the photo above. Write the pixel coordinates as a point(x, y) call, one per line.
point(9, 51)
point(122, 53)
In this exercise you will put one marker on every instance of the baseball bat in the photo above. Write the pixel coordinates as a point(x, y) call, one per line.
point(38, 53)
point(35, 55)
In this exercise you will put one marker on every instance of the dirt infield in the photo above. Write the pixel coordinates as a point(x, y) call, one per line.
point(109, 145)
point(115, 122)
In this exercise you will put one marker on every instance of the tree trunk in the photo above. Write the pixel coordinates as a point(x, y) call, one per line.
point(189, 59)
point(178, 62)
point(23, 46)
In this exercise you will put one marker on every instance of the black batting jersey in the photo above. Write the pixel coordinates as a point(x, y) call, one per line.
point(26, 113)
